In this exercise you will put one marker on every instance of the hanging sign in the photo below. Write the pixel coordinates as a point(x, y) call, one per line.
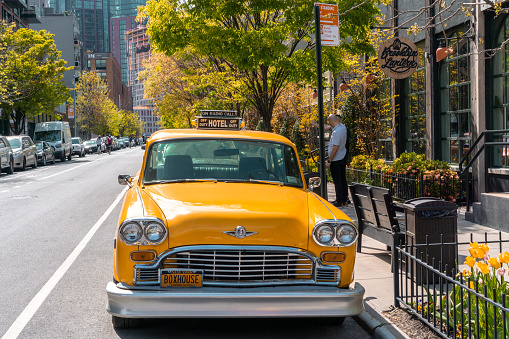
point(70, 112)
point(329, 24)
point(398, 58)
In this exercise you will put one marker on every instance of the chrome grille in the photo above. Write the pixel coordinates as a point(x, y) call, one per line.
point(243, 265)
point(325, 274)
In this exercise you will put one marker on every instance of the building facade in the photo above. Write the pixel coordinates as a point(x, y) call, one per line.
point(446, 105)
point(107, 67)
point(118, 28)
point(138, 52)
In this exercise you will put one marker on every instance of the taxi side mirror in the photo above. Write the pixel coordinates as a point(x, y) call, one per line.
point(142, 146)
point(314, 183)
point(125, 179)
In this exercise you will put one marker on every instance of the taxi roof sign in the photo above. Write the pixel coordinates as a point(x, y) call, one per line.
point(217, 119)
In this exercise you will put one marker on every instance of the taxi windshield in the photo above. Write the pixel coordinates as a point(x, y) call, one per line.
point(222, 160)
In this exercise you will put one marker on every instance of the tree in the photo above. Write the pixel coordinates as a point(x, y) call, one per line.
point(266, 44)
point(184, 83)
point(130, 124)
point(34, 72)
point(95, 111)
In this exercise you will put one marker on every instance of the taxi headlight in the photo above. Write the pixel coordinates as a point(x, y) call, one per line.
point(324, 234)
point(346, 234)
point(335, 233)
point(130, 232)
point(155, 232)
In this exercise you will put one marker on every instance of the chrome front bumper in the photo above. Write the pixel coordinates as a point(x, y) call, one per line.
point(218, 302)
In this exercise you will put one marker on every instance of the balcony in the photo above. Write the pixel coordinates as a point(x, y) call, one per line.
point(32, 15)
point(16, 3)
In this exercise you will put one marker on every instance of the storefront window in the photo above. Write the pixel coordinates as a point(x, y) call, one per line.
point(500, 111)
point(415, 109)
point(455, 130)
point(385, 136)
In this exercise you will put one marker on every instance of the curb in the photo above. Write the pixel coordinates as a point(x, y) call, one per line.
point(377, 325)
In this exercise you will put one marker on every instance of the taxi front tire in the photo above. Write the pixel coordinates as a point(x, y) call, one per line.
point(119, 322)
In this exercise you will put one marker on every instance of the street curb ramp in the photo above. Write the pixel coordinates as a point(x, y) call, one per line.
point(377, 325)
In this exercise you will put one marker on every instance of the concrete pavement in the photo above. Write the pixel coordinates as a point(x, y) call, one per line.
point(373, 264)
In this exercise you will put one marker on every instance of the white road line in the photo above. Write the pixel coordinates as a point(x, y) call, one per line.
point(32, 172)
point(17, 186)
point(70, 169)
point(29, 311)
point(4, 191)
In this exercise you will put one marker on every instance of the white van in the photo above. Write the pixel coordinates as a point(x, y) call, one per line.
point(58, 135)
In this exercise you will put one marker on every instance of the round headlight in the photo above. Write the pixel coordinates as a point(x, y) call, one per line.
point(130, 233)
point(154, 232)
point(324, 234)
point(346, 234)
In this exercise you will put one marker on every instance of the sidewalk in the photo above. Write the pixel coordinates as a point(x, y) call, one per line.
point(373, 264)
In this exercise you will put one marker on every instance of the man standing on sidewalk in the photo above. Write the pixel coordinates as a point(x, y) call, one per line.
point(337, 159)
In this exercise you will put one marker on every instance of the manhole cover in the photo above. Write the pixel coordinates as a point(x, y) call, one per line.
point(22, 197)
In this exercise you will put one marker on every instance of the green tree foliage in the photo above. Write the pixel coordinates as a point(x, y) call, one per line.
point(130, 124)
point(260, 126)
point(298, 138)
point(31, 76)
point(286, 128)
point(265, 44)
point(95, 111)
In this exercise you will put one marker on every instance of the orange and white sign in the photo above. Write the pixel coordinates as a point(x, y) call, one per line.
point(70, 112)
point(329, 24)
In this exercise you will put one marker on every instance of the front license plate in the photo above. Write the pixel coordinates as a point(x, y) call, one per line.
point(180, 278)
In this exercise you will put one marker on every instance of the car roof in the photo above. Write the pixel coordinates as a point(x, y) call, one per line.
point(216, 134)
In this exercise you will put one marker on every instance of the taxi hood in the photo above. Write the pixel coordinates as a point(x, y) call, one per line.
point(198, 213)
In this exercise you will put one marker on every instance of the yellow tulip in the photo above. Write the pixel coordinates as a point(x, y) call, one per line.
point(494, 263)
point(466, 273)
point(474, 244)
point(485, 247)
point(483, 267)
point(473, 252)
point(504, 258)
point(470, 261)
point(472, 286)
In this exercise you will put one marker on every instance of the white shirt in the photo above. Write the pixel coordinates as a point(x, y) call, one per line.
point(338, 138)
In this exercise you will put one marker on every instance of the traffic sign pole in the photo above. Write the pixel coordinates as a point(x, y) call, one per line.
point(323, 173)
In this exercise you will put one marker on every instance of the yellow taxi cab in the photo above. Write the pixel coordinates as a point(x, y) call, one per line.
point(219, 222)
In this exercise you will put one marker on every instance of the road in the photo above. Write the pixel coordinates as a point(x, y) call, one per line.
point(57, 225)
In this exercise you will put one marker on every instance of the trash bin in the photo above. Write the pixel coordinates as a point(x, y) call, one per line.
point(309, 175)
point(435, 220)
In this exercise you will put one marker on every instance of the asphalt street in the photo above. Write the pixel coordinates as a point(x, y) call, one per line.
point(57, 224)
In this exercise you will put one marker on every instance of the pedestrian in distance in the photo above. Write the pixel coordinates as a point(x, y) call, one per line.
point(109, 143)
point(99, 143)
point(337, 152)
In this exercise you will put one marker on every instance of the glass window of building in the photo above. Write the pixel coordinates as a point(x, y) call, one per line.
point(455, 100)
point(385, 133)
point(100, 64)
point(415, 109)
point(500, 111)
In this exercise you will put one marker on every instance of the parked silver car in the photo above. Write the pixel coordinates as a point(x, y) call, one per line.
point(6, 156)
point(24, 151)
point(78, 147)
point(45, 153)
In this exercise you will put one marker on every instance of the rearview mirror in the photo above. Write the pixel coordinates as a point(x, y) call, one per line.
point(314, 182)
point(142, 146)
point(125, 179)
point(226, 152)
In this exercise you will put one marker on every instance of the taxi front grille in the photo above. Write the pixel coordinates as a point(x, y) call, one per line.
point(243, 265)
point(235, 266)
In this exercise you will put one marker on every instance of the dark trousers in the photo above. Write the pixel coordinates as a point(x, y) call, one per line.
point(338, 173)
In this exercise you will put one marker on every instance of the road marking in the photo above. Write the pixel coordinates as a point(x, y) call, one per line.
point(70, 169)
point(4, 191)
point(29, 311)
point(17, 186)
point(32, 172)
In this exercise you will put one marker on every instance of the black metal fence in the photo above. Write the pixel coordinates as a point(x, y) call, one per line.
point(454, 305)
point(409, 187)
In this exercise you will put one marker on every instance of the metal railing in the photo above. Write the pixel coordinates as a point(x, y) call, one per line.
point(450, 304)
point(468, 157)
point(410, 187)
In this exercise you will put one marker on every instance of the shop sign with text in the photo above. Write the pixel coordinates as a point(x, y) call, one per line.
point(398, 58)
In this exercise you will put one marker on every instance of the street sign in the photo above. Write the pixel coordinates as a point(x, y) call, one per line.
point(70, 112)
point(329, 24)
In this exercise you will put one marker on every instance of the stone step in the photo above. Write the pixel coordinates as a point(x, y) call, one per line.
point(491, 211)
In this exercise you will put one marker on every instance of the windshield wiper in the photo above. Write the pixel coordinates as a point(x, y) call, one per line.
point(279, 183)
point(157, 182)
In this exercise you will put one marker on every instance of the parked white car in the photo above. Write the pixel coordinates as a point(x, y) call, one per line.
point(78, 147)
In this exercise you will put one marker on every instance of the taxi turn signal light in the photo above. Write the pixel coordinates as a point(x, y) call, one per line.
point(142, 256)
point(333, 257)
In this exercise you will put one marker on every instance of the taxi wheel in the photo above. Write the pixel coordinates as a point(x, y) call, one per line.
point(125, 322)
